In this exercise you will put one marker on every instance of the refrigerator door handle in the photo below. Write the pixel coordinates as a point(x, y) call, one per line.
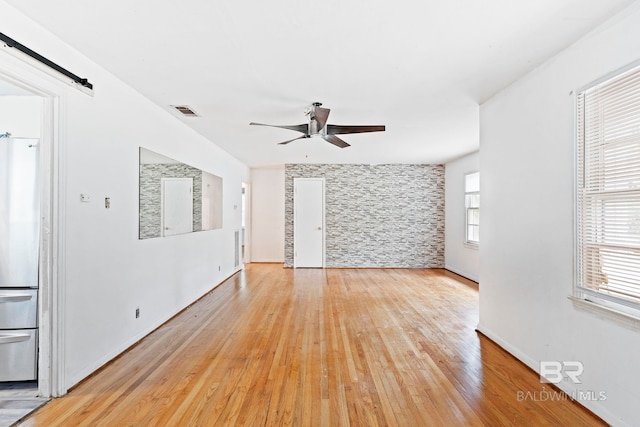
point(11, 338)
point(14, 297)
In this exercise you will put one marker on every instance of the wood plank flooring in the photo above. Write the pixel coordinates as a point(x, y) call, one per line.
point(312, 347)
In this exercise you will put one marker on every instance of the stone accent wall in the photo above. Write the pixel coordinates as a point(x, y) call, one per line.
point(151, 195)
point(376, 215)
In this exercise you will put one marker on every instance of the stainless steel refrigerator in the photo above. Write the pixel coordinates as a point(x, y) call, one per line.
point(19, 254)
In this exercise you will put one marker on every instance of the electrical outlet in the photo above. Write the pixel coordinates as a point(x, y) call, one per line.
point(137, 312)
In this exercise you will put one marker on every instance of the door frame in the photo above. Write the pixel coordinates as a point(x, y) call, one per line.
point(246, 230)
point(295, 234)
point(51, 338)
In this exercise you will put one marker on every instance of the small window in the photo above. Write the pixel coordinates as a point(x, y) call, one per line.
point(608, 193)
point(472, 206)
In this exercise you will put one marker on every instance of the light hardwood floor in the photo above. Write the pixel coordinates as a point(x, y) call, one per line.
point(336, 347)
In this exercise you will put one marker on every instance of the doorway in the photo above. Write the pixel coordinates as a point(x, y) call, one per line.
point(19, 82)
point(26, 356)
point(246, 224)
point(308, 222)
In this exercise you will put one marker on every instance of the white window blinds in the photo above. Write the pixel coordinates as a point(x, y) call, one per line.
point(472, 205)
point(609, 189)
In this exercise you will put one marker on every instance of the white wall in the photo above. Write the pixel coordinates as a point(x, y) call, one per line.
point(267, 220)
point(459, 257)
point(527, 254)
point(105, 271)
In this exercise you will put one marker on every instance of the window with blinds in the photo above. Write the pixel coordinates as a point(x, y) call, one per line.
point(472, 205)
point(608, 183)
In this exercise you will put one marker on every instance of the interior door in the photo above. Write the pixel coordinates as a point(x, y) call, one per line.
point(177, 206)
point(308, 214)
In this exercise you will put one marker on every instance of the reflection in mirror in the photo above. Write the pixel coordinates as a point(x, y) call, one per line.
point(176, 198)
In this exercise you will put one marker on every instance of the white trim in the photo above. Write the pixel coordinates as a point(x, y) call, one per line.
point(608, 76)
point(47, 250)
point(50, 72)
point(51, 360)
point(515, 352)
point(58, 291)
point(248, 226)
point(594, 406)
point(467, 242)
point(610, 306)
point(462, 273)
point(267, 261)
point(604, 312)
point(130, 343)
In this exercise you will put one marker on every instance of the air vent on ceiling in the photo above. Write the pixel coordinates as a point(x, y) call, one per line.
point(185, 110)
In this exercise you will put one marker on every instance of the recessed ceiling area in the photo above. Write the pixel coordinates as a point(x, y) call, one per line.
point(421, 68)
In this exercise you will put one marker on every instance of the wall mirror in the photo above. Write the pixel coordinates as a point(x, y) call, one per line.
point(176, 198)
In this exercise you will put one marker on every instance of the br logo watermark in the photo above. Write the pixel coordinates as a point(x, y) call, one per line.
point(553, 371)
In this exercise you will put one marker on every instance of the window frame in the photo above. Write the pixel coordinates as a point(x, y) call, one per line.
point(467, 209)
point(617, 308)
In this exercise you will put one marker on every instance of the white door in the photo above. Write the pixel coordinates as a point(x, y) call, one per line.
point(177, 206)
point(308, 222)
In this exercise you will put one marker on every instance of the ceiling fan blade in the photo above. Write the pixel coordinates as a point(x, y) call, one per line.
point(336, 141)
point(304, 128)
point(321, 115)
point(294, 139)
point(338, 129)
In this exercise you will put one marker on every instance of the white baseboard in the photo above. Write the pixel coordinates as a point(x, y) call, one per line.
point(463, 273)
point(592, 405)
point(81, 375)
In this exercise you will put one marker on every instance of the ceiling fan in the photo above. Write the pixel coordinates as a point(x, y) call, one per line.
point(318, 126)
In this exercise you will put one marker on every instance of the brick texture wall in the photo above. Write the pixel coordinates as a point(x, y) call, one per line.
point(376, 215)
point(151, 195)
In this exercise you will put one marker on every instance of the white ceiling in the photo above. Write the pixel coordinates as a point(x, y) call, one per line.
point(420, 67)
